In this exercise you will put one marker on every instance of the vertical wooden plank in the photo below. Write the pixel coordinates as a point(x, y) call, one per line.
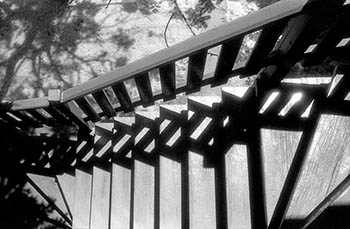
point(87, 108)
point(104, 103)
point(143, 195)
point(294, 172)
point(120, 197)
point(168, 81)
point(82, 199)
point(123, 97)
point(100, 199)
point(145, 90)
point(227, 58)
point(278, 149)
point(202, 193)
point(170, 193)
point(195, 71)
point(238, 207)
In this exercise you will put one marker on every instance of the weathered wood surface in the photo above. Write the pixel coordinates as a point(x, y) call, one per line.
point(100, 199)
point(326, 166)
point(202, 193)
point(82, 200)
point(170, 194)
point(49, 186)
point(238, 207)
point(143, 214)
point(120, 197)
point(278, 149)
point(66, 181)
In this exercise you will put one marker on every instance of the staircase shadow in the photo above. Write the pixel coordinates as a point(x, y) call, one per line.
point(334, 217)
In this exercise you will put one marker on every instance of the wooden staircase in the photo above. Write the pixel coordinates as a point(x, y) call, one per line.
point(272, 155)
point(215, 162)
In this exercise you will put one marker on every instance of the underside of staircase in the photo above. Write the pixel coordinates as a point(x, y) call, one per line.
point(273, 154)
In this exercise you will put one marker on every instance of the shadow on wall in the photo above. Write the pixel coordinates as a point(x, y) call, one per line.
point(19, 208)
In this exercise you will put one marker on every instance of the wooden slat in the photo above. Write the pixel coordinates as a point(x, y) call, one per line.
point(143, 84)
point(195, 71)
point(87, 108)
point(168, 81)
point(123, 97)
point(227, 58)
point(242, 25)
point(262, 48)
point(104, 103)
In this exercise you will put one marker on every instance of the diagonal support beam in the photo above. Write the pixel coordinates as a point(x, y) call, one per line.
point(48, 199)
point(294, 172)
point(329, 200)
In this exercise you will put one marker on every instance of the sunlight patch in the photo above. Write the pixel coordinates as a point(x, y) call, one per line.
point(174, 138)
point(268, 102)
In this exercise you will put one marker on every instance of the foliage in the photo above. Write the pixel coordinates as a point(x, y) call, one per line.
point(41, 42)
point(46, 43)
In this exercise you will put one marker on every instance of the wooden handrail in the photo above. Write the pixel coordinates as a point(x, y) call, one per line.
point(238, 27)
